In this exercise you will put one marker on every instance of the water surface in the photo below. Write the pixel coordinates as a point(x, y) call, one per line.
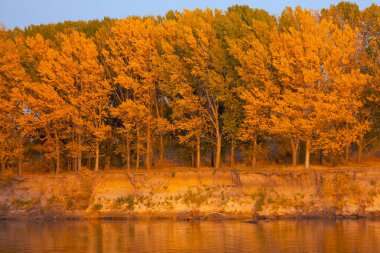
point(170, 236)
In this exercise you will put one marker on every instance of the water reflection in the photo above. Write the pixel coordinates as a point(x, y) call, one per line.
point(169, 236)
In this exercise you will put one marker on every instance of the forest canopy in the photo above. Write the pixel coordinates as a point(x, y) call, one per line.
point(191, 88)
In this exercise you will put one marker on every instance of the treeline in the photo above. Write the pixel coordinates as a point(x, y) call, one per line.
point(142, 92)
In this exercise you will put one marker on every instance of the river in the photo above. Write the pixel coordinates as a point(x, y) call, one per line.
point(174, 236)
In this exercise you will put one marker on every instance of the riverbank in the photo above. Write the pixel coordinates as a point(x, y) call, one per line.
point(195, 195)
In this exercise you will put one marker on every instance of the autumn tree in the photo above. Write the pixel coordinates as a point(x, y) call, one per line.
point(202, 56)
point(185, 105)
point(347, 14)
point(342, 14)
point(45, 103)
point(78, 94)
point(199, 78)
point(254, 68)
point(313, 76)
point(228, 26)
point(369, 112)
point(344, 64)
point(133, 57)
point(12, 108)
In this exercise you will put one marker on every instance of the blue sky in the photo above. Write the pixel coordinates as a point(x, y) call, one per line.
point(25, 12)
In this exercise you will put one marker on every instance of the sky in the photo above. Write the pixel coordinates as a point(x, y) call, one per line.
point(22, 13)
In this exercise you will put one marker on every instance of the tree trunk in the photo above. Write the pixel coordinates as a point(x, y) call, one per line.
point(2, 167)
point(57, 154)
point(148, 150)
point(19, 167)
point(218, 140)
point(198, 150)
point(218, 149)
point(96, 156)
point(137, 165)
point(159, 113)
point(347, 151)
point(88, 163)
point(307, 155)
point(107, 163)
point(79, 168)
point(232, 155)
point(214, 115)
point(360, 149)
point(192, 155)
point(3, 162)
point(20, 160)
point(128, 154)
point(108, 153)
point(74, 164)
point(254, 153)
point(161, 149)
point(295, 144)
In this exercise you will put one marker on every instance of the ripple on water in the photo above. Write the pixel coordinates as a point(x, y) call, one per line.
point(168, 236)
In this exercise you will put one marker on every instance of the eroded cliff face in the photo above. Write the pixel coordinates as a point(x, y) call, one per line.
point(192, 194)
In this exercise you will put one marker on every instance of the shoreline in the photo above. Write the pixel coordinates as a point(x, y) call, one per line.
point(195, 196)
point(185, 217)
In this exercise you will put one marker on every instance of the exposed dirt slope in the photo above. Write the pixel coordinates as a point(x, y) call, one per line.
point(193, 194)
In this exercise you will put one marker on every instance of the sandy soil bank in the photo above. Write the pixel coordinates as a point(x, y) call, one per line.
point(191, 194)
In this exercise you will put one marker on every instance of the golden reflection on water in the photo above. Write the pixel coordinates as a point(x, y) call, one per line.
point(170, 236)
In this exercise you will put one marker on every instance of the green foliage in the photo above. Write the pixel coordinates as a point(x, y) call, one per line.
point(298, 202)
point(54, 204)
point(129, 201)
point(25, 204)
point(49, 31)
point(268, 197)
point(259, 197)
point(97, 207)
point(197, 197)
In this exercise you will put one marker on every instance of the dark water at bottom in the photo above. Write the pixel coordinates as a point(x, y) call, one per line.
point(170, 236)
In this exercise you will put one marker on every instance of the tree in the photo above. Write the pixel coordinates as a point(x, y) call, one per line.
point(45, 103)
point(186, 106)
point(132, 55)
point(201, 79)
point(203, 58)
point(259, 91)
point(75, 81)
point(348, 14)
point(312, 70)
point(369, 117)
point(344, 64)
point(12, 110)
point(342, 14)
